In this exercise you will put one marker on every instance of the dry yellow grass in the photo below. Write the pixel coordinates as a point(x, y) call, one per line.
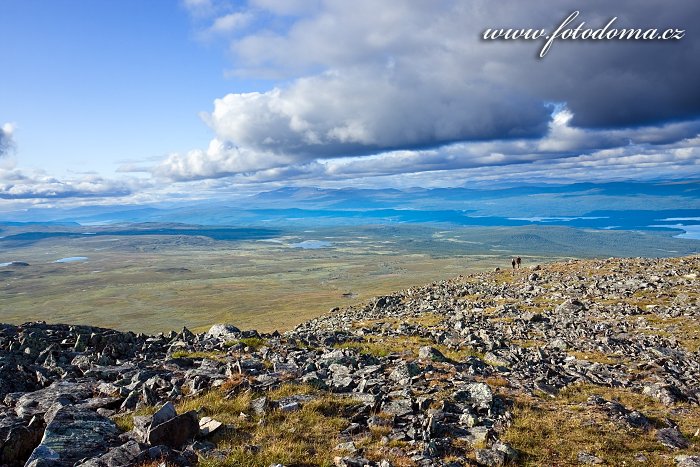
point(381, 346)
point(554, 431)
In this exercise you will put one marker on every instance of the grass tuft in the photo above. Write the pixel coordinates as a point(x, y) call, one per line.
point(554, 431)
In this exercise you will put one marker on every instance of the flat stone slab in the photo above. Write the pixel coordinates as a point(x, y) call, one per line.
point(74, 434)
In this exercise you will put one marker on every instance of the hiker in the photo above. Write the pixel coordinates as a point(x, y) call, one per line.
point(518, 261)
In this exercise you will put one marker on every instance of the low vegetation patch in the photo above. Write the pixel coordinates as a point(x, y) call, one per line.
point(125, 422)
point(382, 346)
point(212, 355)
point(685, 330)
point(254, 343)
point(303, 437)
point(554, 431)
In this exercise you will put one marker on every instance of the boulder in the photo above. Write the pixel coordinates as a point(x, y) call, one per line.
point(672, 438)
point(430, 353)
point(489, 458)
point(223, 332)
point(207, 426)
point(589, 459)
point(18, 438)
point(403, 373)
point(479, 395)
point(176, 431)
point(665, 394)
point(687, 461)
point(65, 392)
point(125, 455)
point(74, 434)
point(398, 407)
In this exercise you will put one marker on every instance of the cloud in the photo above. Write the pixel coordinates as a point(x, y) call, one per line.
point(229, 23)
point(341, 114)
point(562, 149)
point(410, 87)
point(6, 140)
point(17, 184)
point(220, 159)
point(36, 185)
point(200, 8)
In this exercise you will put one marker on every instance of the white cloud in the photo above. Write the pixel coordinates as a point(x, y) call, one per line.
point(6, 138)
point(199, 8)
point(229, 23)
point(16, 184)
point(219, 160)
point(366, 87)
point(286, 7)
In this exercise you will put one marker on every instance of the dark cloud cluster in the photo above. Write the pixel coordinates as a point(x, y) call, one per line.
point(365, 79)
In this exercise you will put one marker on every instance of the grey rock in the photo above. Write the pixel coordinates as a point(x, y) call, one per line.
point(208, 426)
point(75, 434)
point(663, 394)
point(398, 407)
point(489, 458)
point(38, 402)
point(223, 332)
point(510, 454)
point(687, 461)
point(314, 380)
point(44, 456)
point(403, 373)
point(142, 423)
point(672, 438)
point(18, 438)
point(165, 413)
point(636, 419)
point(430, 353)
point(131, 401)
point(125, 455)
point(479, 435)
point(176, 431)
point(587, 458)
point(479, 395)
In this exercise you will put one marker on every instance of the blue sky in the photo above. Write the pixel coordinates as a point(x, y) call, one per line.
point(89, 84)
point(138, 101)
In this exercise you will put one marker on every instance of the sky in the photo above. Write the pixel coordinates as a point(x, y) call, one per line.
point(137, 102)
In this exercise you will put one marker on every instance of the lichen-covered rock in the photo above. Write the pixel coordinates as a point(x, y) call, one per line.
point(64, 392)
point(125, 455)
point(74, 434)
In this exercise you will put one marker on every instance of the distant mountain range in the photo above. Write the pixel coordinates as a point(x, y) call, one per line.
point(618, 205)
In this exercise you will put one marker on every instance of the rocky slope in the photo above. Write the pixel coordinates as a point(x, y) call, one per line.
point(450, 373)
